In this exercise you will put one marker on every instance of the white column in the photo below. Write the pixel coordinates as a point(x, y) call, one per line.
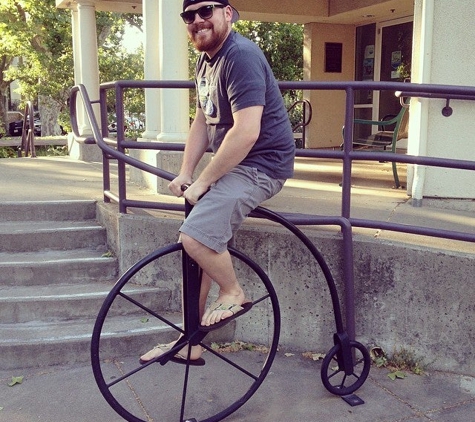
point(449, 27)
point(167, 110)
point(174, 104)
point(152, 47)
point(77, 68)
point(418, 118)
point(87, 55)
point(86, 72)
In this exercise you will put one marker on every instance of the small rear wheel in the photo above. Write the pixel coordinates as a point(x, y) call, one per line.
point(342, 382)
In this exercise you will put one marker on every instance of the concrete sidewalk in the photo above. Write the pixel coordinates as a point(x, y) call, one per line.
point(314, 190)
point(293, 390)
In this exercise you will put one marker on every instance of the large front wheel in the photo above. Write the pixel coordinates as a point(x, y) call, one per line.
point(134, 318)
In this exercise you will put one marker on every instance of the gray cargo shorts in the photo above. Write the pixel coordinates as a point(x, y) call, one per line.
point(221, 211)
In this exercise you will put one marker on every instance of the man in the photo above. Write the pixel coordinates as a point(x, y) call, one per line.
point(241, 116)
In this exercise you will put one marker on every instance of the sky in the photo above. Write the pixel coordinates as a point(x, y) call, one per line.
point(133, 38)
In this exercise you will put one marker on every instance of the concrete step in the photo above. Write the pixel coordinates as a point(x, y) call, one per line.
point(54, 278)
point(70, 210)
point(52, 267)
point(73, 301)
point(38, 344)
point(22, 236)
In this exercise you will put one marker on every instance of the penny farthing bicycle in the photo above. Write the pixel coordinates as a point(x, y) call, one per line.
point(171, 388)
point(135, 316)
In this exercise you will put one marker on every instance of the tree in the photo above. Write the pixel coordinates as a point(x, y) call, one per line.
point(115, 63)
point(40, 35)
point(13, 30)
point(35, 33)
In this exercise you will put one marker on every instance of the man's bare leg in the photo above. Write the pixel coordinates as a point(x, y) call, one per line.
point(196, 351)
point(206, 282)
point(219, 267)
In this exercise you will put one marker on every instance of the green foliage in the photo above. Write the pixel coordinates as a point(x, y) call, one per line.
point(402, 359)
point(41, 151)
point(41, 36)
point(51, 151)
point(406, 359)
point(7, 152)
point(236, 346)
point(397, 375)
point(42, 41)
point(15, 381)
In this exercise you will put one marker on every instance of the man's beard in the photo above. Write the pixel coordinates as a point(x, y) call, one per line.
point(211, 41)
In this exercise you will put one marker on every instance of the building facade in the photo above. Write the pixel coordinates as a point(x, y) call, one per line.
point(428, 41)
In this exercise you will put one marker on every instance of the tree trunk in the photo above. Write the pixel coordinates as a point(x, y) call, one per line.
point(3, 115)
point(49, 113)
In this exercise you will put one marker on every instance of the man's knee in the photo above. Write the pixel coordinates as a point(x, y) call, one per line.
point(190, 245)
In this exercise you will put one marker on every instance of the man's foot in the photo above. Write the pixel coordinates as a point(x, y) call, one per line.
point(223, 310)
point(180, 357)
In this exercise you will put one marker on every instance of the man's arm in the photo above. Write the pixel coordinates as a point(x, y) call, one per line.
point(236, 145)
point(196, 145)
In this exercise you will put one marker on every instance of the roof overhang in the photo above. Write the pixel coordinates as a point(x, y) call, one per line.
point(119, 6)
point(357, 12)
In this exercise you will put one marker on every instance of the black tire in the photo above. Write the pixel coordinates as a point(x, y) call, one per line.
point(170, 391)
point(334, 377)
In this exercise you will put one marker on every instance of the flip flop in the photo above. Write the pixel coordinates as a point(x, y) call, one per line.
point(237, 311)
point(183, 361)
point(176, 359)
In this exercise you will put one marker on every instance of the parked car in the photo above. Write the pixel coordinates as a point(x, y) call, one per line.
point(15, 128)
point(112, 127)
point(131, 123)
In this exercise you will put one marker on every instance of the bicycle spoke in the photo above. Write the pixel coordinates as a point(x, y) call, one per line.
point(149, 311)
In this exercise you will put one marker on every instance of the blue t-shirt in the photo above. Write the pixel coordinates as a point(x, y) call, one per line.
point(237, 77)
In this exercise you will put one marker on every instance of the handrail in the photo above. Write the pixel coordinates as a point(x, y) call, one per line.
point(116, 150)
point(306, 118)
point(27, 143)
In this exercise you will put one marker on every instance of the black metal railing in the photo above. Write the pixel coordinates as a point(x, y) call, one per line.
point(300, 127)
point(114, 148)
point(27, 144)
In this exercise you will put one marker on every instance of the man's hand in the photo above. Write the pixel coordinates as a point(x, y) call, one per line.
point(194, 192)
point(176, 184)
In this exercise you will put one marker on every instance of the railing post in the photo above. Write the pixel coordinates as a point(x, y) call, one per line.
point(119, 103)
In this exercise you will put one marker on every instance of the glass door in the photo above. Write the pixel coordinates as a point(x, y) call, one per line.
point(364, 71)
point(394, 62)
point(383, 53)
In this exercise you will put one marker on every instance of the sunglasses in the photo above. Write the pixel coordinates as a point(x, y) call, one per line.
point(205, 12)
